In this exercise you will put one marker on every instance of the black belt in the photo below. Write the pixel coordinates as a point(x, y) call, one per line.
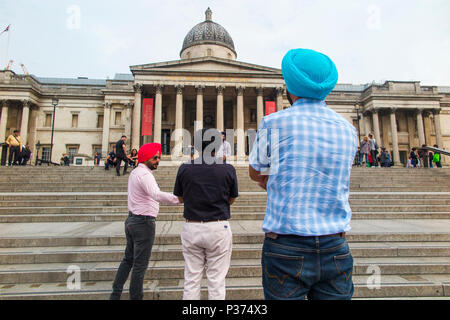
point(274, 236)
point(204, 221)
point(131, 214)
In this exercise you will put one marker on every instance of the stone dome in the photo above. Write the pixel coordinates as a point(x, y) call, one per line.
point(208, 32)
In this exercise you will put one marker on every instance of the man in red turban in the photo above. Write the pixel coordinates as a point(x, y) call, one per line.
point(144, 197)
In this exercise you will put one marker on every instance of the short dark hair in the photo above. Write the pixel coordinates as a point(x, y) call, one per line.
point(15, 131)
point(207, 137)
point(124, 136)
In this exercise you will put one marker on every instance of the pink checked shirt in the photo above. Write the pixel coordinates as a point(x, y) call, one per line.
point(144, 194)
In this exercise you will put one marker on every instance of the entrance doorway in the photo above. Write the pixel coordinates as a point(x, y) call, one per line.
point(165, 141)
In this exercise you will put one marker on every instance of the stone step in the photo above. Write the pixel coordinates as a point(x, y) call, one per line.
point(241, 200)
point(234, 208)
point(40, 255)
point(239, 268)
point(435, 286)
point(110, 217)
point(378, 197)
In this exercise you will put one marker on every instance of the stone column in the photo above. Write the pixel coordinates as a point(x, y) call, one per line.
point(219, 112)
point(4, 120)
point(25, 118)
point(240, 134)
point(136, 120)
point(106, 125)
point(420, 129)
point(437, 127)
point(280, 91)
point(158, 114)
point(367, 127)
point(178, 134)
point(127, 108)
point(376, 125)
point(259, 105)
point(199, 117)
point(395, 152)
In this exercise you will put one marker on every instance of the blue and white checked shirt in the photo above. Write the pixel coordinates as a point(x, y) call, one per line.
point(309, 150)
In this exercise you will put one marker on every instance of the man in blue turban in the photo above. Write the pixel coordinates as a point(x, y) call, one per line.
point(303, 157)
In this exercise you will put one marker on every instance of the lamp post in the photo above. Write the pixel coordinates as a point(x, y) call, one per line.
point(38, 146)
point(55, 101)
point(358, 117)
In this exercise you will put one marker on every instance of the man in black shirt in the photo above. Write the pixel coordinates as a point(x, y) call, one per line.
point(121, 155)
point(207, 190)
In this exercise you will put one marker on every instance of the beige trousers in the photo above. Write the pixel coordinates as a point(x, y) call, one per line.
point(206, 245)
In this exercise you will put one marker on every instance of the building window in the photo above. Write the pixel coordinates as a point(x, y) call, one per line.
point(118, 118)
point(74, 121)
point(45, 153)
point(71, 152)
point(100, 121)
point(48, 120)
point(96, 148)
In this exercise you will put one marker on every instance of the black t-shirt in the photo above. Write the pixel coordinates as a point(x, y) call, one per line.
point(112, 155)
point(206, 190)
point(119, 149)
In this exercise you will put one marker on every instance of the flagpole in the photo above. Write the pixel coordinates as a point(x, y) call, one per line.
point(7, 46)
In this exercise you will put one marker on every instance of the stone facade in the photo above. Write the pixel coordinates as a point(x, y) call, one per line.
point(209, 89)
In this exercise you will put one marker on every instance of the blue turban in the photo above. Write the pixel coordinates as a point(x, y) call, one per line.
point(308, 73)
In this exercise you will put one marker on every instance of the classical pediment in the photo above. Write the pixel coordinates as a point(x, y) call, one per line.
point(207, 65)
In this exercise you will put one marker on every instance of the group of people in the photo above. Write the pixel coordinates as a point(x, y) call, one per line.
point(207, 190)
point(368, 154)
point(419, 158)
point(305, 252)
point(119, 154)
point(19, 154)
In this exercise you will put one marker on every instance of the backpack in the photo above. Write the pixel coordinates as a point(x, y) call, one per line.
point(436, 157)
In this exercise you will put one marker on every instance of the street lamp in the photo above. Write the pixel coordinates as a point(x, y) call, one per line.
point(38, 146)
point(55, 101)
point(358, 117)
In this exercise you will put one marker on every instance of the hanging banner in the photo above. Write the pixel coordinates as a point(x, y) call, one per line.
point(147, 116)
point(270, 107)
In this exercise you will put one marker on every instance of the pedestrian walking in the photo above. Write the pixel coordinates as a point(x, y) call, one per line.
point(121, 155)
point(207, 187)
point(15, 144)
point(373, 149)
point(437, 157)
point(305, 253)
point(144, 197)
point(365, 150)
point(414, 159)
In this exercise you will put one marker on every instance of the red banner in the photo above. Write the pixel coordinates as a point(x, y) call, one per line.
point(147, 117)
point(270, 107)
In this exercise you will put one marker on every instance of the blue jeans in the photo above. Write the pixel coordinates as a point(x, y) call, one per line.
point(319, 268)
point(362, 157)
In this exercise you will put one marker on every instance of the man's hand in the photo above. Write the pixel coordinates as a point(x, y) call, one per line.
point(258, 177)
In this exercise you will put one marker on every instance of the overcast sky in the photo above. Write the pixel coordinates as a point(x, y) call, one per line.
point(369, 40)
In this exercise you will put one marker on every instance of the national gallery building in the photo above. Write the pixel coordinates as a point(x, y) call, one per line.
point(207, 88)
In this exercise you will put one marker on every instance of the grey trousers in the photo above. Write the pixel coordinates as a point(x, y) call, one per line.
point(140, 233)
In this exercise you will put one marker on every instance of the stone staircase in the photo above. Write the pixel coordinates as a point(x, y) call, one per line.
point(56, 220)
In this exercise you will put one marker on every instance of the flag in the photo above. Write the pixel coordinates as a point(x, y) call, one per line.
point(6, 30)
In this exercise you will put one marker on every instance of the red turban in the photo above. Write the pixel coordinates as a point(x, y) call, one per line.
point(148, 151)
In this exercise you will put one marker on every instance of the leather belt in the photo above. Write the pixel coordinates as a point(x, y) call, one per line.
point(204, 221)
point(275, 236)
